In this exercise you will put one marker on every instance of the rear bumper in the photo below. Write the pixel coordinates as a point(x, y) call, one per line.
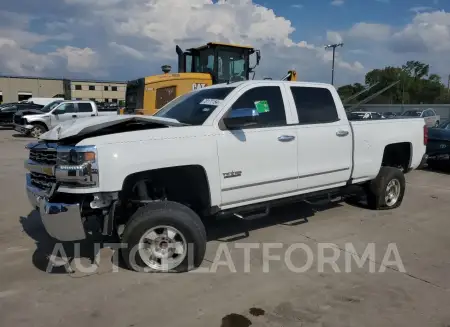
point(423, 161)
point(62, 221)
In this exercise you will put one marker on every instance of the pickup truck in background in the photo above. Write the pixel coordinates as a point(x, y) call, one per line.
point(228, 150)
point(54, 114)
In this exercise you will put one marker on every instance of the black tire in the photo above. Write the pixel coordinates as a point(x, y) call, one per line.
point(37, 130)
point(165, 213)
point(376, 190)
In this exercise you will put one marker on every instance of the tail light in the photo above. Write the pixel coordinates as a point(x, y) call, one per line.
point(425, 135)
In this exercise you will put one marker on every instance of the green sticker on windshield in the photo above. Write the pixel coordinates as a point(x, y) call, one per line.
point(262, 106)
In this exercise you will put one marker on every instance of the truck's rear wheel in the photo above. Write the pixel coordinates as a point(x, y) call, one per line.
point(164, 237)
point(37, 131)
point(386, 191)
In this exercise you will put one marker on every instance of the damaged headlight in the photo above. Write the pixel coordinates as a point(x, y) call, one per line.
point(77, 165)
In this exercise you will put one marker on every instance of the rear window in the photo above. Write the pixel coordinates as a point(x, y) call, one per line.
point(315, 105)
point(84, 107)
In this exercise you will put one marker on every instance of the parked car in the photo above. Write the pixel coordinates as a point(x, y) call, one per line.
point(229, 150)
point(56, 113)
point(8, 110)
point(438, 147)
point(363, 115)
point(429, 115)
point(389, 114)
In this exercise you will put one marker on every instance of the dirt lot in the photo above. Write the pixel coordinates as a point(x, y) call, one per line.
point(418, 296)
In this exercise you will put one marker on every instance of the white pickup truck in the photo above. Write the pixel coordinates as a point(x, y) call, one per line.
point(55, 113)
point(226, 150)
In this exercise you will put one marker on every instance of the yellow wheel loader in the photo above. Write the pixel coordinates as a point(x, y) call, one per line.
point(209, 64)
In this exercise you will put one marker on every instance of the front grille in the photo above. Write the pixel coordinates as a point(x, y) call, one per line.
point(47, 157)
point(43, 181)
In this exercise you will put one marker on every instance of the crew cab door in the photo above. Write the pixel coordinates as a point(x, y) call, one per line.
point(85, 109)
point(258, 162)
point(64, 112)
point(324, 137)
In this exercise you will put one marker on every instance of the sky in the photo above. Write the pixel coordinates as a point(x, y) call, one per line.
point(128, 39)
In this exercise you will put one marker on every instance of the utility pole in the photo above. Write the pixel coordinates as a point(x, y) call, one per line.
point(448, 84)
point(333, 46)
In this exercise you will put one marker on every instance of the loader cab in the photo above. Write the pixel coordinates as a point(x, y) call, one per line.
point(224, 62)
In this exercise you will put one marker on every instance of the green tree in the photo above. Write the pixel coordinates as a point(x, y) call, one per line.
point(416, 85)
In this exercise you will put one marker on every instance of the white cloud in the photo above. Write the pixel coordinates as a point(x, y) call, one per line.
point(20, 61)
point(297, 6)
point(133, 38)
point(124, 49)
point(78, 60)
point(374, 32)
point(337, 2)
point(419, 9)
point(334, 37)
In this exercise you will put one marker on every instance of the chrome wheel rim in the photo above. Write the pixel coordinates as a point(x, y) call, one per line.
point(162, 248)
point(392, 192)
point(36, 132)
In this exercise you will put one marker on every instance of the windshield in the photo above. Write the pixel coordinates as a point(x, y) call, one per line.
point(412, 113)
point(195, 107)
point(50, 106)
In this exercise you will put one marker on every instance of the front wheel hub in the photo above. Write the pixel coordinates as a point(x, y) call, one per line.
point(162, 248)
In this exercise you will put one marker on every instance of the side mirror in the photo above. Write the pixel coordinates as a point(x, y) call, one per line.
point(258, 57)
point(239, 118)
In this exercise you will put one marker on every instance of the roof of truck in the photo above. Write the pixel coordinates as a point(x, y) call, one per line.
point(277, 82)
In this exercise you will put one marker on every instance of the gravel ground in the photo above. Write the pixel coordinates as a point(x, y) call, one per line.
point(256, 292)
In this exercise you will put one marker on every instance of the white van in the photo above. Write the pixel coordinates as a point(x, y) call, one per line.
point(42, 101)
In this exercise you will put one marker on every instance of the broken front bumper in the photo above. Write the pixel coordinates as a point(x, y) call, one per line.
point(62, 221)
point(23, 129)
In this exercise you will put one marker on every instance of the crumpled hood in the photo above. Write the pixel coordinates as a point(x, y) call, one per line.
point(90, 125)
point(26, 112)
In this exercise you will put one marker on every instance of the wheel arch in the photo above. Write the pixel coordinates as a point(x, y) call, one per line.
point(184, 183)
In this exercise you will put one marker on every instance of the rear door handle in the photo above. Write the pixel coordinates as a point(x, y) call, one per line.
point(92, 115)
point(342, 133)
point(74, 116)
point(286, 138)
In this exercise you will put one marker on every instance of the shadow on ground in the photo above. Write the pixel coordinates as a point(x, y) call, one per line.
point(54, 257)
point(442, 167)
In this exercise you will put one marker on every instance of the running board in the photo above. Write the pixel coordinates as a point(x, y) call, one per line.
point(252, 215)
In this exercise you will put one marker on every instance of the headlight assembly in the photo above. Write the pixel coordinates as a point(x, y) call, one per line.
point(77, 165)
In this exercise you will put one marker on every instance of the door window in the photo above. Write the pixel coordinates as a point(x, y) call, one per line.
point(84, 107)
point(65, 108)
point(268, 101)
point(315, 105)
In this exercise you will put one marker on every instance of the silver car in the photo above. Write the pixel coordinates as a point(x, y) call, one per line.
point(429, 115)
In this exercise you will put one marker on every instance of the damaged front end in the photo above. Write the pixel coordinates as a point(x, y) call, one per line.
point(64, 215)
point(63, 179)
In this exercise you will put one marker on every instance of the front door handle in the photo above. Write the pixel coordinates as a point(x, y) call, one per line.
point(342, 133)
point(74, 116)
point(286, 138)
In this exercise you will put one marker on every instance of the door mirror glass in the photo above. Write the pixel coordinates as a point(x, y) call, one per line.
point(238, 118)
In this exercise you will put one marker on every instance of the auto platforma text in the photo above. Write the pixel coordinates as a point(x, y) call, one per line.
point(297, 257)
